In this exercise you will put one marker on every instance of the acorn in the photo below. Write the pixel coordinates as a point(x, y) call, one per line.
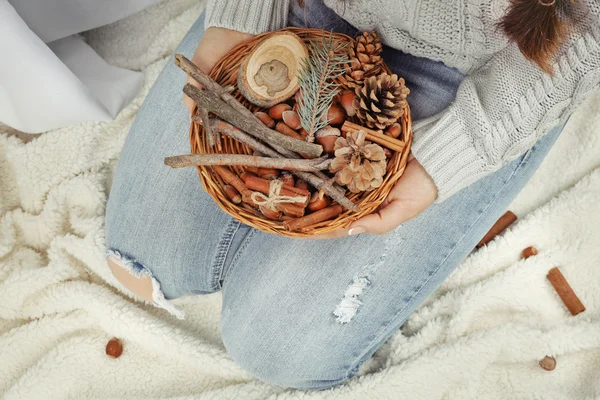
point(265, 119)
point(246, 174)
point(318, 202)
point(303, 132)
point(291, 119)
point(283, 128)
point(548, 363)
point(347, 100)
point(232, 194)
point(326, 137)
point(114, 348)
point(394, 131)
point(268, 213)
point(336, 115)
point(277, 110)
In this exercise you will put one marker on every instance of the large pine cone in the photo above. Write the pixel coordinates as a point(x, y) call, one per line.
point(358, 164)
point(381, 100)
point(365, 59)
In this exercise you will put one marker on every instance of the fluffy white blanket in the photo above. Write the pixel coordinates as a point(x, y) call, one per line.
point(480, 336)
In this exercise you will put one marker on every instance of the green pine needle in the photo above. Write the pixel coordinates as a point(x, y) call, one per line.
point(325, 63)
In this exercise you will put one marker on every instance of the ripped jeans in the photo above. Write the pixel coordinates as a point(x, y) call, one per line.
point(296, 313)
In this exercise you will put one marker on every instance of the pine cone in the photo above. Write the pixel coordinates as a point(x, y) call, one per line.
point(365, 59)
point(358, 164)
point(381, 100)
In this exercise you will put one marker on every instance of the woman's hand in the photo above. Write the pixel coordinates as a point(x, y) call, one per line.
point(413, 193)
point(213, 46)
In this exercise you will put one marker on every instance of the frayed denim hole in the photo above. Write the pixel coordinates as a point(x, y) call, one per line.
point(138, 270)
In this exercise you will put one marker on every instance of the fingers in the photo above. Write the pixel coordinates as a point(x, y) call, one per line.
point(413, 193)
point(384, 220)
point(215, 43)
point(338, 233)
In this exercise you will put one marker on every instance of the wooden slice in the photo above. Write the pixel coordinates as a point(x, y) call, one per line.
point(268, 75)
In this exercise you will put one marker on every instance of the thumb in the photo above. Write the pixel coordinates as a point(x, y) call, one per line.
point(382, 221)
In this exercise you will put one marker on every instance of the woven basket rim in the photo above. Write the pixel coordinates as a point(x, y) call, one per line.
point(225, 73)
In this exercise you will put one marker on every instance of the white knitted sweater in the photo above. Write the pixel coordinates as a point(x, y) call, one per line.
point(501, 109)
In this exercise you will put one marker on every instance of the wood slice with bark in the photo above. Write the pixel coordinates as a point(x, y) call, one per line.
point(268, 75)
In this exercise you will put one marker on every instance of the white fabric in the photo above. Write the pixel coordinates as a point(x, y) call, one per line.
point(479, 337)
point(50, 78)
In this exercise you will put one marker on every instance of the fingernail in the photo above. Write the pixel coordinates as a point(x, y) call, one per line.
point(356, 231)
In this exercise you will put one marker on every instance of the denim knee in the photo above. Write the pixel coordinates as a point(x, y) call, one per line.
point(275, 354)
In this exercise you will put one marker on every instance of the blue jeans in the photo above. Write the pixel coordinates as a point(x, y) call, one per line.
point(296, 313)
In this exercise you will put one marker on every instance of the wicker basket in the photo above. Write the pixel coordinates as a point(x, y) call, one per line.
point(225, 73)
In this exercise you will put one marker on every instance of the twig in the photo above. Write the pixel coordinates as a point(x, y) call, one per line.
point(201, 77)
point(316, 181)
point(314, 164)
point(212, 136)
point(211, 102)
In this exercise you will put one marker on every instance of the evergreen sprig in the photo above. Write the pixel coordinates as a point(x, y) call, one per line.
point(327, 60)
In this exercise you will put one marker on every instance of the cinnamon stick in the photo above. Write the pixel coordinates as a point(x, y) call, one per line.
point(565, 292)
point(313, 164)
point(232, 179)
point(242, 137)
point(314, 218)
point(291, 209)
point(263, 186)
point(212, 136)
point(284, 129)
point(374, 136)
point(529, 252)
point(318, 182)
point(504, 222)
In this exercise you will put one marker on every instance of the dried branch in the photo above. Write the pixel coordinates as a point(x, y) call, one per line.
point(318, 182)
point(314, 164)
point(213, 103)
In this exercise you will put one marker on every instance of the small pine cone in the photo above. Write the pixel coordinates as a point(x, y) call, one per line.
point(381, 100)
point(365, 59)
point(358, 164)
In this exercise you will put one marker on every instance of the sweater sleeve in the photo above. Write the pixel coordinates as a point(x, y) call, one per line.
point(502, 109)
point(249, 16)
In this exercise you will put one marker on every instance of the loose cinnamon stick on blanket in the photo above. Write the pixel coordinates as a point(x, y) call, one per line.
point(314, 218)
point(314, 164)
point(565, 292)
point(504, 222)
